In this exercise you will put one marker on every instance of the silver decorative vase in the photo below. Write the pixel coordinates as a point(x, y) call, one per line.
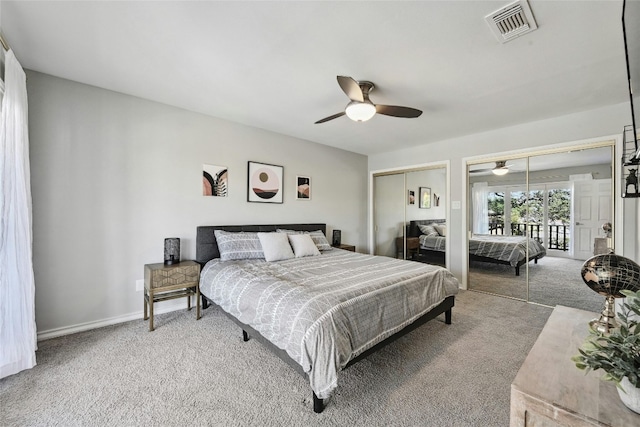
point(630, 396)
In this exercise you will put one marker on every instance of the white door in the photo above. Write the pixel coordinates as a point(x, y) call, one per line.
point(592, 207)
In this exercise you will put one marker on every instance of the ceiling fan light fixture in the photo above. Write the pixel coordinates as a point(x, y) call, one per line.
point(500, 171)
point(360, 111)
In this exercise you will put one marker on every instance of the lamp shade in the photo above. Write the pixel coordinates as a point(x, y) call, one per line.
point(608, 274)
point(360, 111)
point(171, 250)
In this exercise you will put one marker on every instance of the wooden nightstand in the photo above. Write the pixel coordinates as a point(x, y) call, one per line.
point(346, 247)
point(164, 282)
point(413, 245)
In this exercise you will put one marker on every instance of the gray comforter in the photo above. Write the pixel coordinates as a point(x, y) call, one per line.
point(512, 249)
point(325, 310)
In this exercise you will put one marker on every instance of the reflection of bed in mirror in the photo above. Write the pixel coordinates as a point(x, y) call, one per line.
point(509, 250)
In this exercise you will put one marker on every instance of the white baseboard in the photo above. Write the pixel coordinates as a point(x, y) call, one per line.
point(81, 327)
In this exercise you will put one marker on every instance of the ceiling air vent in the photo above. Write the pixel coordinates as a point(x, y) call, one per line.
point(511, 21)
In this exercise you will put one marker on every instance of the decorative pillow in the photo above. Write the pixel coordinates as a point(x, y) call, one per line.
point(275, 246)
point(441, 229)
point(429, 230)
point(238, 245)
point(320, 240)
point(303, 245)
point(317, 236)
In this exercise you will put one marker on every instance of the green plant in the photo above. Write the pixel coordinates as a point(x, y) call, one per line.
point(618, 353)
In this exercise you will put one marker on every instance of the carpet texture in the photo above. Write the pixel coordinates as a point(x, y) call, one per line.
point(553, 281)
point(190, 372)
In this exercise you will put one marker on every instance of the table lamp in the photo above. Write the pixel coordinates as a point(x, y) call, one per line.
point(171, 250)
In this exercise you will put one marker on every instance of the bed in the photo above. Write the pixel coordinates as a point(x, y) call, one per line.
point(320, 313)
point(509, 250)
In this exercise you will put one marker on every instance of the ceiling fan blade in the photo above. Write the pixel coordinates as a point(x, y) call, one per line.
point(479, 170)
point(326, 119)
point(396, 111)
point(351, 88)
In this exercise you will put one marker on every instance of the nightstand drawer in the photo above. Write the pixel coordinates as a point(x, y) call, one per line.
point(165, 276)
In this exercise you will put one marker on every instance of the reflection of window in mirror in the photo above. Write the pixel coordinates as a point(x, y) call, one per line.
point(571, 198)
point(555, 205)
point(497, 238)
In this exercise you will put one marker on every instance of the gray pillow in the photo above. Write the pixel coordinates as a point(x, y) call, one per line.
point(429, 230)
point(321, 242)
point(238, 245)
point(317, 236)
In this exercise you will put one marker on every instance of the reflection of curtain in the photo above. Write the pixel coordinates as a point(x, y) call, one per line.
point(479, 196)
point(18, 338)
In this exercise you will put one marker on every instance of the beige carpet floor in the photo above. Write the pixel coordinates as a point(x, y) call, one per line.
point(552, 281)
point(199, 373)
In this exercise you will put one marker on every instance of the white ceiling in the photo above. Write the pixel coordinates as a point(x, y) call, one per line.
point(273, 65)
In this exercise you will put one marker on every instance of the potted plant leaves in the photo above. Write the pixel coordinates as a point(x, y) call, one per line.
point(617, 353)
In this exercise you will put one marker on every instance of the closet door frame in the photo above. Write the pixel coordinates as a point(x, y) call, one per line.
point(445, 164)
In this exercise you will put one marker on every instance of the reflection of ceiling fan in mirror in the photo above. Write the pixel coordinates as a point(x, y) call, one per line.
point(501, 168)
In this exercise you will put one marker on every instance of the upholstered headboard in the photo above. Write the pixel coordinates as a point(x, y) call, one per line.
point(414, 231)
point(207, 247)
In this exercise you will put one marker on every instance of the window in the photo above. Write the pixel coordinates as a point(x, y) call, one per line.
point(544, 213)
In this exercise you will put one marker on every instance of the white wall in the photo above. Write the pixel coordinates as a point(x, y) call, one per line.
point(604, 121)
point(113, 175)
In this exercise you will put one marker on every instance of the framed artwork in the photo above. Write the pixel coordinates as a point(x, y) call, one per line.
point(214, 180)
point(412, 197)
point(303, 188)
point(425, 198)
point(264, 183)
point(436, 200)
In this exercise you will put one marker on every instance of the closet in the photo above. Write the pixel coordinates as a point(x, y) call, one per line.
point(562, 201)
point(401, 196)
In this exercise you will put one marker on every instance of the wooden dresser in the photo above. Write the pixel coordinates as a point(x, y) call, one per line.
point(550, 391)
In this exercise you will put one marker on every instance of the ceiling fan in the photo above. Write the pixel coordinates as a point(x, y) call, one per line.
point(501, 168)
point(361, 109)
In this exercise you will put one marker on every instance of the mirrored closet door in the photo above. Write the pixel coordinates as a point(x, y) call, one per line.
point(388, 217)
point(404, 201)
point(498, 205)
point(532, 227)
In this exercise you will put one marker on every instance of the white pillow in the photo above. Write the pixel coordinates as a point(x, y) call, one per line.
point(275, 246)
point(303, 245)
point(441, 229)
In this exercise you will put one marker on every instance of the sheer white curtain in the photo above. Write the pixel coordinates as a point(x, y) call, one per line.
point(480, 199)
point(18, 339)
